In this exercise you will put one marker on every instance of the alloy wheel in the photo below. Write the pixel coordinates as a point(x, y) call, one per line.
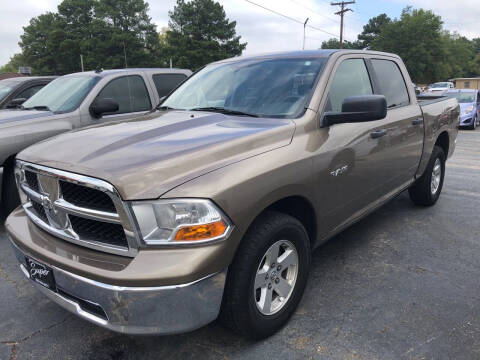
point(275, 277)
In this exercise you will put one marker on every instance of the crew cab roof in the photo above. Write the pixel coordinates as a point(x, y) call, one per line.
point(322, 53)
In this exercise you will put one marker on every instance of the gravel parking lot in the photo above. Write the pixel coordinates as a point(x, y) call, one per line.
point(404, 283)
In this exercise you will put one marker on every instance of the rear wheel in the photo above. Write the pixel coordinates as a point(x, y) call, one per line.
point(427, 189)
point(267, 277)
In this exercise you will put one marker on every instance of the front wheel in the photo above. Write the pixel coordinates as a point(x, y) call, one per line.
point(267, 277)
point(426, 190)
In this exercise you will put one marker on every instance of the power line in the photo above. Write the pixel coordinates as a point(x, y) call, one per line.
point(290, 18)
point(313, 11)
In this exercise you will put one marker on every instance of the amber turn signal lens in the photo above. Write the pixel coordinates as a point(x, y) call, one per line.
point(201, 232)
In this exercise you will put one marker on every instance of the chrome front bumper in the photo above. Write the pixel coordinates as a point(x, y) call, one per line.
point(136, 310)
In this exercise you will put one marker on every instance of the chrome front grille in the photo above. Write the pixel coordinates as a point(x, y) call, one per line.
point(83, 210)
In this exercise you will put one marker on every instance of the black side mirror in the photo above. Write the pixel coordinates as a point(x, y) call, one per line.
point(358, 109)
point(103, 106)
point(16, 102)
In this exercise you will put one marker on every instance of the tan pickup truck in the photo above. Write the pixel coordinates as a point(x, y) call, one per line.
point(212, 205)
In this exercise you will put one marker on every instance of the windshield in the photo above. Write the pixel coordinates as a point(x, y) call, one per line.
point(6, 87)
point(62, 95)
point(463, 97)
point(268, 88)
point(439, 85)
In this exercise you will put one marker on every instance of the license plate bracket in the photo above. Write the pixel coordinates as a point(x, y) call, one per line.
point(41, 273)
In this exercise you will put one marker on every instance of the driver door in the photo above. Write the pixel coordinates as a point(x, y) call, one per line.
point(349, 168)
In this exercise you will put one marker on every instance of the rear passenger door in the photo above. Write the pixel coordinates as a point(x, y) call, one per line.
point(131, 94)
point(403, 125)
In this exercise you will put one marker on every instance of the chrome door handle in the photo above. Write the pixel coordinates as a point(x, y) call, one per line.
point(378, 133)
point(417, 121)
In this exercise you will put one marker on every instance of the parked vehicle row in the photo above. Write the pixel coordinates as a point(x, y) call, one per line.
point(15, 91)
point(440, 87)
point(74, 101)
point(210, 206)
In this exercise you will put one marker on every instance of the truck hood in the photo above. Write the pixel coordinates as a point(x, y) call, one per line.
point(147, 157)
point(8, 117)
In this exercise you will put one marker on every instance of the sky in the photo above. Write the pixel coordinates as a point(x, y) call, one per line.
point(263, 30)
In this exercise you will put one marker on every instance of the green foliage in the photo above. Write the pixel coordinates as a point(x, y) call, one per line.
point(15, 62)
point(100, 30)
point(417, 38)
point(199, 32)
point(372, 29)
point(430, 53)
point(334, 43)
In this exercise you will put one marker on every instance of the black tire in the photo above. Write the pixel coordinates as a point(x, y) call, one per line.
point(421, 191)
point(239, 310)
point(10, 198)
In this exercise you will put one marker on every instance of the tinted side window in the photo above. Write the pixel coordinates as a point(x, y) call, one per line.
point(165, 83)
point(129, 92)
point(391, 82)
point(29, 92)
point(350, 79)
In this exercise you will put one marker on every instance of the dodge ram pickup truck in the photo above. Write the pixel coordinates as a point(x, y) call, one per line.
point(211, 206)
point(74, 101)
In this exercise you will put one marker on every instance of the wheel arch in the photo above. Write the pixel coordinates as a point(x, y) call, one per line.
point(443, 141)
point(299, 207)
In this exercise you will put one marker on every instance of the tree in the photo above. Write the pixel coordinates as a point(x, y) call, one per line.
point(458, 56)
point(15, 62)
point(103, 31)
point(417, 38)
point(199, 32)
point(41, 43)
point(334, 43)
point(372, 29)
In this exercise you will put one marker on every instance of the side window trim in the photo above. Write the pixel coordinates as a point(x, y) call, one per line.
point(373, 77)
point(127, 112)
point(334, 72)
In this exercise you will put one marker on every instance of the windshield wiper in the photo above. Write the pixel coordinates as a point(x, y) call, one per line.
point(165, 108)
point(224, 111)
point(38, 107)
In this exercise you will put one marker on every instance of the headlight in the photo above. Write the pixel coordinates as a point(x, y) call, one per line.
point(469, 110)
point(19, 179)
point(177, 221)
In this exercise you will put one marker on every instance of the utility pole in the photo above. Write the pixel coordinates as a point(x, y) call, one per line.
point(304, 26)
point(342, 13)
point(81, 61)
